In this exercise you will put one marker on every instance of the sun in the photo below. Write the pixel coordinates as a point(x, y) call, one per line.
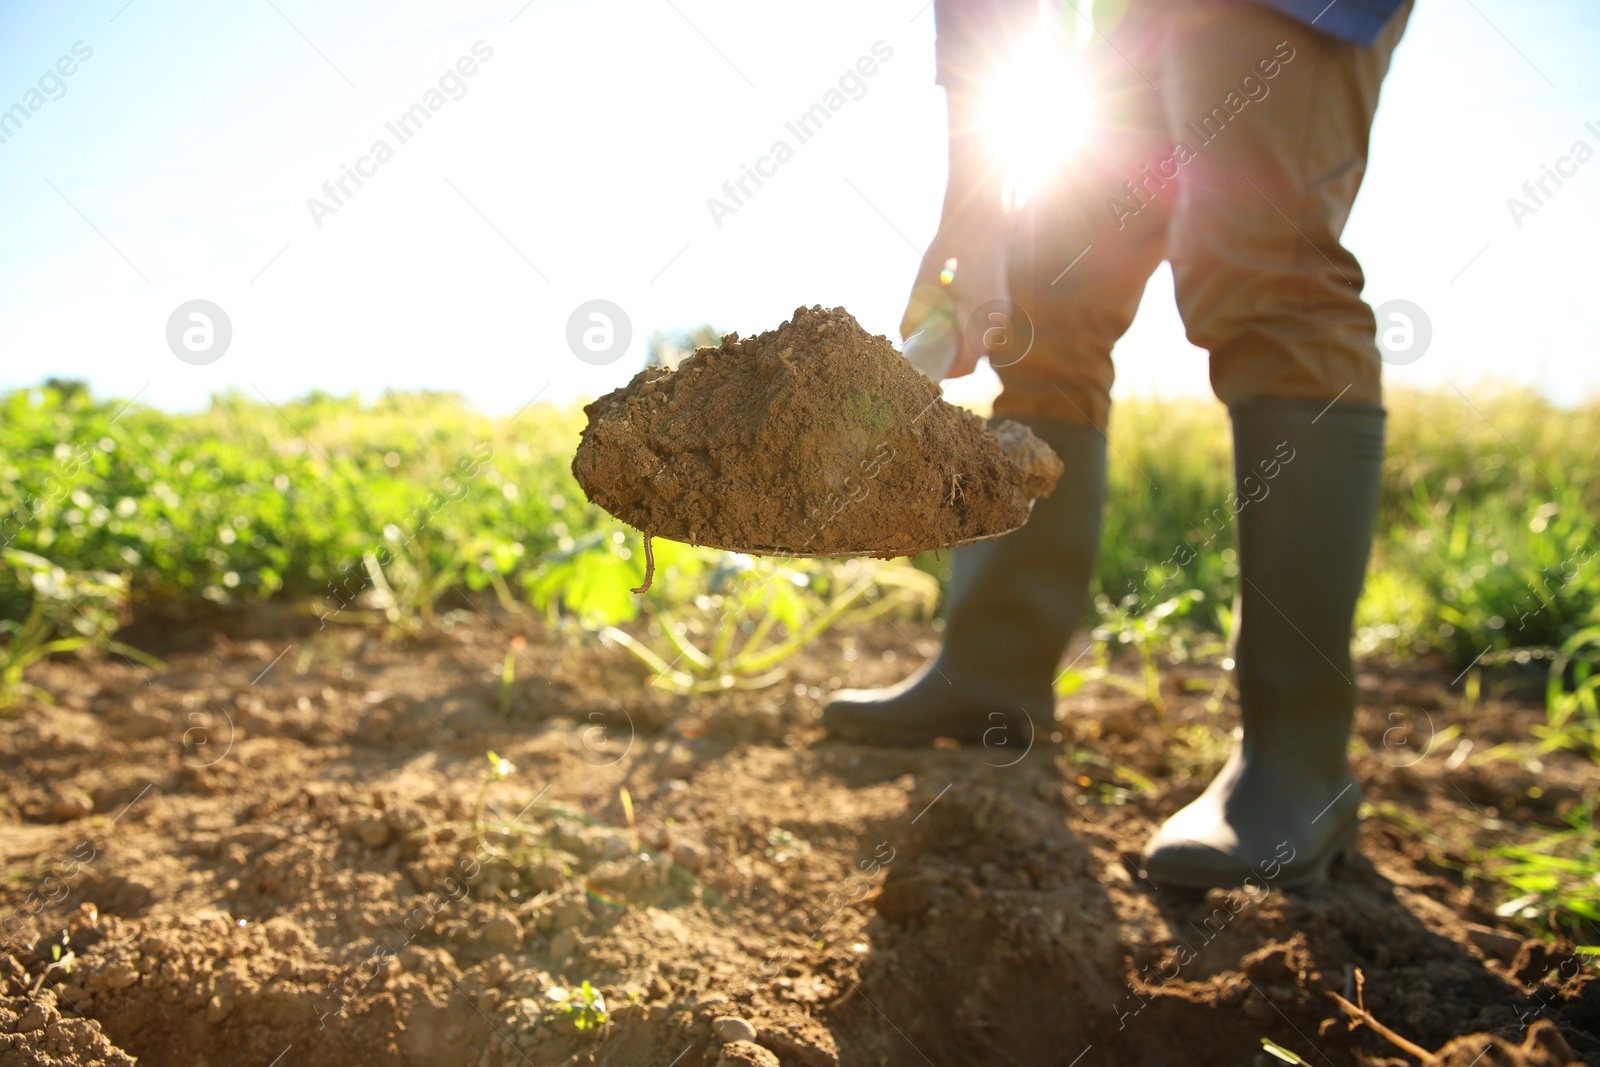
point(1036, 113)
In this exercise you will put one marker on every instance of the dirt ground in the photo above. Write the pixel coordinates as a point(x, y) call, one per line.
point(287, 849)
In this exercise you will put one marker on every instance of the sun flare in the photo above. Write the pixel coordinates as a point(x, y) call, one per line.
point(1036, 113)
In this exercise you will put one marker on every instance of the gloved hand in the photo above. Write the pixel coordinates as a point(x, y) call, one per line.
point(969, 251)
point(964, 267)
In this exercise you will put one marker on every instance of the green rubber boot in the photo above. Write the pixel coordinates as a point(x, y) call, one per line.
point(1013, 604)
point(1284, 805)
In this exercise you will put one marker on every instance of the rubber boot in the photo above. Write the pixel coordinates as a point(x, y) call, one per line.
point(1285, 804)
point(1011, 608)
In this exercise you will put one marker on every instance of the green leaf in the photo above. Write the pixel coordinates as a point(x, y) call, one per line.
point(1286, 1055)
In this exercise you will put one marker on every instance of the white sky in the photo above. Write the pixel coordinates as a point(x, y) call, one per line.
point(591, 140)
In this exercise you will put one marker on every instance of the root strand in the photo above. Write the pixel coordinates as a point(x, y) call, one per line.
point(649, 564)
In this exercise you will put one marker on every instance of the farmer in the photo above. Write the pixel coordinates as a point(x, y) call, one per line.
point(1231, 139)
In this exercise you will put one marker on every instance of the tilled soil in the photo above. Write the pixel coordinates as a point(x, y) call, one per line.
point(288, 848)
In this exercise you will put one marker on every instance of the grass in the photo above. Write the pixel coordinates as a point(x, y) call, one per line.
point(1555, 877)
point(391, 504)
point(65, 611)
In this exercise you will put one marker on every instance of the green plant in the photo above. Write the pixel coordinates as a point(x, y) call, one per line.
point(758, 612)
point(1197, 750)
point(592, 577)
point(1482, 543)
point(783, 845)
point(407, 588)
point(1573, 710)
point(1490, 573)
point(64, 611)
point(1170, 471)
point(1107, 776)
point(1557, 876)
point(1284, 1054)
point(508, 672)
point(1149, 634)
point(584, 1008)
point(499, 770)
point(720, 620)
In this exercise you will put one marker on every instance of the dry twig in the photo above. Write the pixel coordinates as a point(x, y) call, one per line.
point(1360, 1016)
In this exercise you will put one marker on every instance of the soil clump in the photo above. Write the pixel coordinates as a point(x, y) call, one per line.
point(814, 439)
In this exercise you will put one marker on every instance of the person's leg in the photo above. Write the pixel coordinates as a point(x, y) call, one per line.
point(1263, 280)
point(1077, 270)
point(1265, 284)
point(1085, 247)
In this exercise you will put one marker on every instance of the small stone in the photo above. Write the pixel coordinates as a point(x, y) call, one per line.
point(608, 844)
point(502, 934)
point(568, 913)
point(547, 875)
point(690, 855)
point(116, 976)
point(747, 1054)
point(731, 1028)
point(71, 803)
point(630, 873)
point(1269, 964)
point(1121, 725)
point(374, 833)
point(37, 1016)
point(905, 897)
point(1496, 944)
point(76, 996)
point(563, 945)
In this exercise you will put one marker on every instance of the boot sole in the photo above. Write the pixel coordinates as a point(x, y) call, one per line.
point(982, 728)
point(881, 738)
point(1346, 847)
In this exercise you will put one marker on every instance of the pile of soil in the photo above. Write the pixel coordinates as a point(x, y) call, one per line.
point(816, 439)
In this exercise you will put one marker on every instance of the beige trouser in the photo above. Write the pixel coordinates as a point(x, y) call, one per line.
point(1241, 135)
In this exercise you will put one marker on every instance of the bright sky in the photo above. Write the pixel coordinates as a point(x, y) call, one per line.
point(177, 161)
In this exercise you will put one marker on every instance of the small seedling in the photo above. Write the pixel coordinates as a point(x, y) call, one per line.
point(584, 1008)
point(627, 811)
point(61, 960)
point(1286, 1055)
point(508, 673)
point(499, 770)
point(1145, 632)
point(722, 620)
point(66, 611)
point(783, 845)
